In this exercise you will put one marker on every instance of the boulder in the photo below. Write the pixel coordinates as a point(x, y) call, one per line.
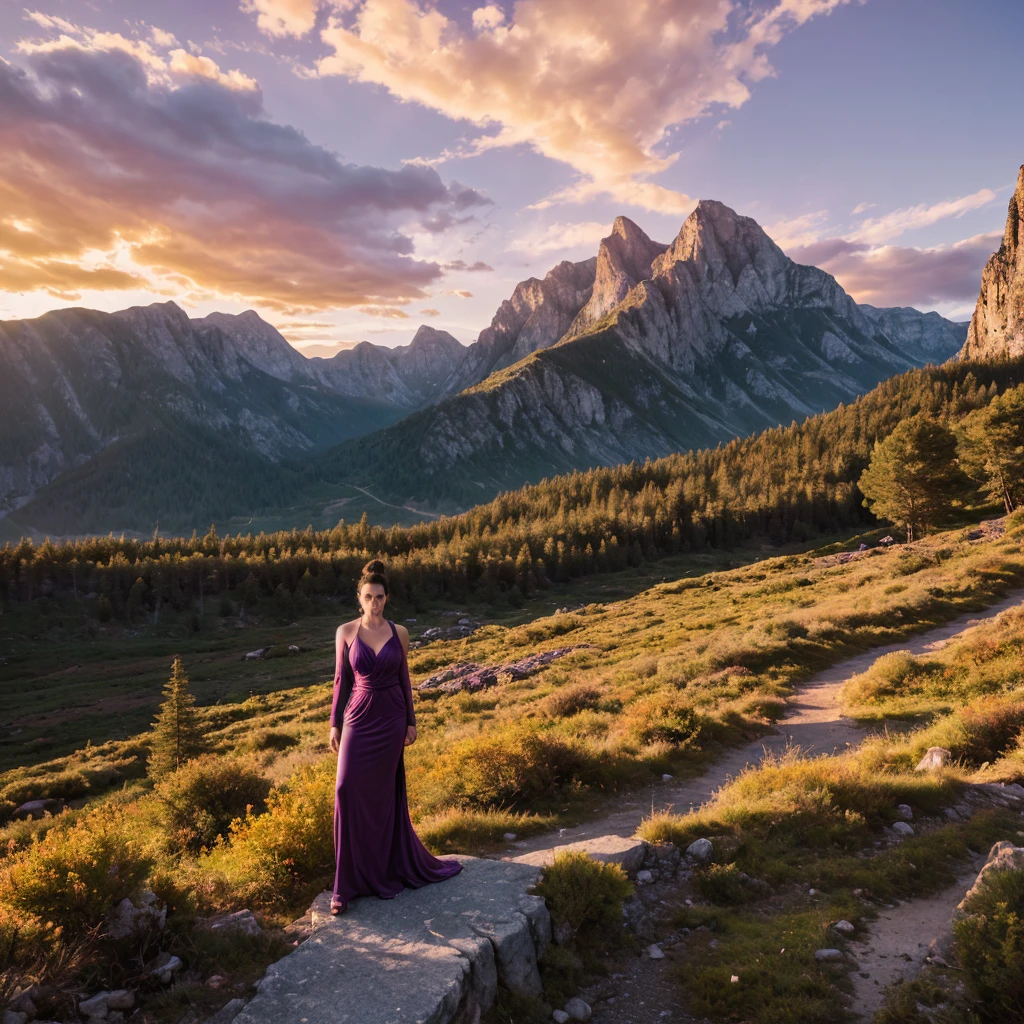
point(227, 1013)
point(129, 921)
point(936, 757)
point(560, 1017)
point(906, 812)
point(36, 809)
point(239, 920)
point(903, 828)
point(655, 952)
point(629, 853)
point(827, 955)
point(578, 1009)
point(700, 850)
point(844, 927)
point(1004, 856)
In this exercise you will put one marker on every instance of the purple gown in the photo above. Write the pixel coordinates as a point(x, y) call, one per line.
point(378, 852)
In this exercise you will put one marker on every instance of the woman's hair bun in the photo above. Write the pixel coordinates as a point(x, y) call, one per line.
point(375, 567)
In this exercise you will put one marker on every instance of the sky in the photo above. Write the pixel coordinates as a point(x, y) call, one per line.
point(352, 169)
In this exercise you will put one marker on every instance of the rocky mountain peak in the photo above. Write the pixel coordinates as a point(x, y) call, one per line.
point(427, 337)
point(623, 260)
point(997, 327)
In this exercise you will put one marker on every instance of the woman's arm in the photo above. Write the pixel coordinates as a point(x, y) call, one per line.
point(410, 714)
point(343, 679)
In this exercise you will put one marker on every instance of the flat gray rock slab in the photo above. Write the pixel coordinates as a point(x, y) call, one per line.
point(612, 849)
point(431, 955)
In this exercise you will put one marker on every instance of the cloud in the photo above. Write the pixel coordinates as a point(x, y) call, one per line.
point(796, 231)
point(595, 85)
point(892, 225)
point(461, 265)
point(387, 312)
point(430, 312)
point(459, 293)
point(893, 275)
point(283, 17)
point(560, 236)
point(862, 208)
point(117, 171)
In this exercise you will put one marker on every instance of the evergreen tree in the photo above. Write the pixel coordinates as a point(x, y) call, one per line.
point(993, 448)
point(913, 479)
point(177, 732)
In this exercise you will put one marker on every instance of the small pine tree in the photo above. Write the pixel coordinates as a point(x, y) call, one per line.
point(177, 732)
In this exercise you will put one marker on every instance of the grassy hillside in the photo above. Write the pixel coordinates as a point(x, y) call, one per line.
point(658, 681)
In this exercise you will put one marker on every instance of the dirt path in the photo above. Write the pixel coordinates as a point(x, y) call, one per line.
point(899, 939)
point(813, 723)
point(645, 991)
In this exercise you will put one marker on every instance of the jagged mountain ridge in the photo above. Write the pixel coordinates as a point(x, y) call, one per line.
point(715, 335)
point(76, 382)
point(997, 326)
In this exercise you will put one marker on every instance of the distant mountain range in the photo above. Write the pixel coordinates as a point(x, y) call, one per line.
point(112, 421)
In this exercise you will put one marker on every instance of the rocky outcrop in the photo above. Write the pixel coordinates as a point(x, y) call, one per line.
point(431, 954)
point(997, 327)
point(538, 313)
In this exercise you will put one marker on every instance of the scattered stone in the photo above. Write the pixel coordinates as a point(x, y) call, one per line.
point(255, 655)
point(293, 648)
point(36, 809)
point(13, 1017)
point(509, 836)
point(216, 981)
point(164, 968)
point(825, 955)
point(240, 920)
point(560, 1016)
point(464, 622)
point(844, 927)
point(129, 921)
point(905, 812)
point(23, 1002)
point(94, 1006)
point(903, 828)
point(665, 778)
point(472, 677)
point(952, 814)
point(812, 892)
point(655, 952)
point(936, 757)
point(644, 877)
point(700, 850)
point(120, 999)
point(578, 1009)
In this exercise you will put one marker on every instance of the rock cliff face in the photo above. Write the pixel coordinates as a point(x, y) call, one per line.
point(408, 376)
point(997, 327)
point(670, 347)
point(535, 317)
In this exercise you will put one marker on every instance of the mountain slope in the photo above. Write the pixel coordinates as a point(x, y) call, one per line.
point(724, 336)
point(78, 382)
point(997, 327)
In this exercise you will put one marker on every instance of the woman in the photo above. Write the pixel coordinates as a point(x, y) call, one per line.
point(372, 721)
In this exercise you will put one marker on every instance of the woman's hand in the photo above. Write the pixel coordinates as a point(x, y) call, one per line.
point(335, 739)
point(410, 734)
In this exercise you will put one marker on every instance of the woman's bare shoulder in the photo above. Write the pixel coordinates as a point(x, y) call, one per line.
point(403, 633)
point(348, 630)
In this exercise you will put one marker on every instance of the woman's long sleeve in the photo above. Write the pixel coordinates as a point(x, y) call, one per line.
point(410, 714)
point(343, 680)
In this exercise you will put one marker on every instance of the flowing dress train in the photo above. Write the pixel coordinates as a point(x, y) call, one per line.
point(378, 852)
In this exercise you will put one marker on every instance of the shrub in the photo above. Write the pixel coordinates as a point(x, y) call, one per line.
point(455, 830)
point(664, 716)
point(202, 798)
point(518, 764)
point(722, 884)
point(291, 844)
point(270, 739)
point(73, 876)
point(571, 700)
point(584, 896)
point(888, 676)
point(990, 945)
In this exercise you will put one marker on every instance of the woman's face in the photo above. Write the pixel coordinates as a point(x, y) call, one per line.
point(372, 598)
